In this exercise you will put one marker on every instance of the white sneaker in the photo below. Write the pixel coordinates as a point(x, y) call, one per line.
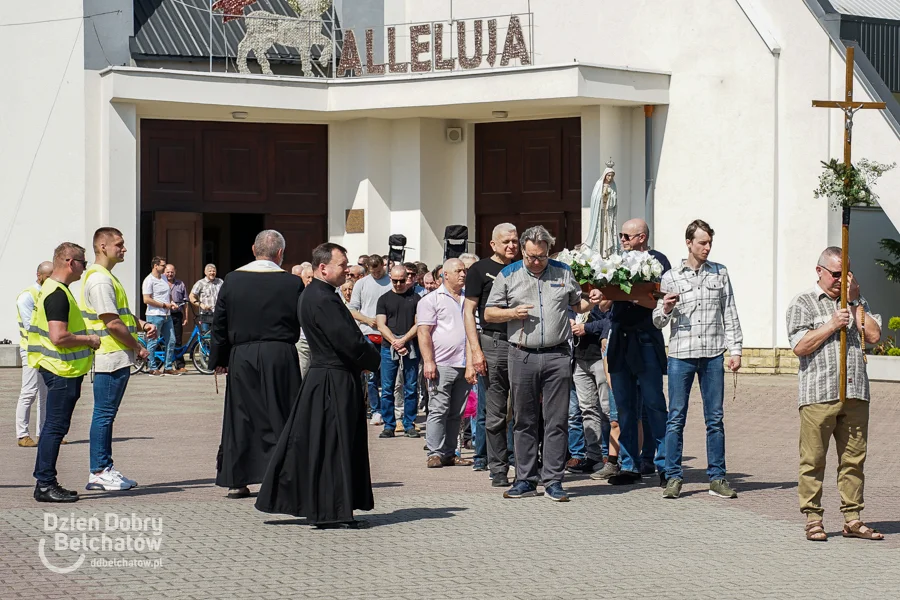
point(376, 419)
point(115, 472)
point(108, 481)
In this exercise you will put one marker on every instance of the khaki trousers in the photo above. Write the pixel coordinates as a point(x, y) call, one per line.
point(848, 422)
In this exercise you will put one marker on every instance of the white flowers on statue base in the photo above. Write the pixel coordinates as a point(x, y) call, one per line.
point(617, 272)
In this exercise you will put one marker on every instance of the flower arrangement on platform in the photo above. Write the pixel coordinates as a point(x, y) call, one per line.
point(624, 270)
point(849, 187)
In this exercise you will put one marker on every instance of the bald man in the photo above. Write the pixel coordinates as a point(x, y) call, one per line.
point(33, 388)
point(442, 341)
point(637, 357)
point(395, 315)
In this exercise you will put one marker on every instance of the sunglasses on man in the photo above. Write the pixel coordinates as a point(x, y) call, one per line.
point(398, 281)
point(628, 237)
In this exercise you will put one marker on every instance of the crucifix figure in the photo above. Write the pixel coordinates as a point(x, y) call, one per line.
point(850, 108)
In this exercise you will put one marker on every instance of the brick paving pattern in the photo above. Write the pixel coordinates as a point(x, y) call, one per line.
point(445, 533)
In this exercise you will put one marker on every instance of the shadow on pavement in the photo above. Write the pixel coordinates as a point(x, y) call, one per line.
point(121, 439)
point(403, 515)
point(151, 489)
point(387, 484)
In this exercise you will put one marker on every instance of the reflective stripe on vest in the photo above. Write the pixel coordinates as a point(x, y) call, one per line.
point(23, 327)
point(65, 362)
point(108, 343)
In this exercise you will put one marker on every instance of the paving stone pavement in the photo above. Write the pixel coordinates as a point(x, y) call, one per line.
point(444, 533)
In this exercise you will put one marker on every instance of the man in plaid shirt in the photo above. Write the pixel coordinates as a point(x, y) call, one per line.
point(814, 322)
point(699, 304)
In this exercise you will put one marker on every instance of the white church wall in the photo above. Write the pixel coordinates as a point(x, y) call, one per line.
point(42, 182)
point(444, 199)
point(406, 186)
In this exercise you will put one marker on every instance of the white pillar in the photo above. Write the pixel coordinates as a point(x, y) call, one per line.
point(608, 132)
point(119, 204)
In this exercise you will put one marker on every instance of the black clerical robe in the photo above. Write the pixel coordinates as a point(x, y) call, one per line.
point(254, 330)
point(320, 469)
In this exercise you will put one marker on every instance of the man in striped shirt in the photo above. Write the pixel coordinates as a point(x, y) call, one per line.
point(699, 304)
point(814, 322)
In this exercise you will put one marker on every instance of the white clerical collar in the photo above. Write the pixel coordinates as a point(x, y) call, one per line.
point(262, 266)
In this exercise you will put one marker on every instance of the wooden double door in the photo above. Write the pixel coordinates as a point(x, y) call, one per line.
point(528, 173)
point(190, 169)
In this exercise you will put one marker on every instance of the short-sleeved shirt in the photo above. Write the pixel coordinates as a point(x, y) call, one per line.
point(179, 293)
point(207, 292)
point(364, 298)
point(551, 294)
point(440, 309)
point(819, 371)
point(56, 306)
point(158, 289)
point(479, 281)
point(100, 297)
point(400, 313)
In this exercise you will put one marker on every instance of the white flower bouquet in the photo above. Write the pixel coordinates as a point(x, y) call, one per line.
point(630, 276)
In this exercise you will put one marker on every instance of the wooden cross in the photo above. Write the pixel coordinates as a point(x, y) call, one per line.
point(850, 108)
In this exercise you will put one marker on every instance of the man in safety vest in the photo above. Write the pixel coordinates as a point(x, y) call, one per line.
point(62, 350)
point(104, 307)
point(33, 390)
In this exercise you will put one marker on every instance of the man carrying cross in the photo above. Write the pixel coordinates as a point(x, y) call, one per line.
point(814, 320)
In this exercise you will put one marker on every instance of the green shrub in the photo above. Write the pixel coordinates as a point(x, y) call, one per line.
point(894, 324)
point(893, 352)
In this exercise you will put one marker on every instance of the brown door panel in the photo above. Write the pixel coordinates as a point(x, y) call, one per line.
point(301, 234)
point(178, 238)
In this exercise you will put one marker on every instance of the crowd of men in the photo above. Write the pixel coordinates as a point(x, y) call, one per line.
point(564, 379)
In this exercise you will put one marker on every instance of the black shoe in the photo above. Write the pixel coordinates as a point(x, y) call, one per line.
point(662, 480)
point(238, 493)
point(54, 493)
point(412, 432)
point(581, 465)
point(354, 524)
point(625, 478)
point(499, 480)
point(648, 468)
point(387, 433)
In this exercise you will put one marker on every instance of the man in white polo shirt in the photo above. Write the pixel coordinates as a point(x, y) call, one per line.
point(158, 298)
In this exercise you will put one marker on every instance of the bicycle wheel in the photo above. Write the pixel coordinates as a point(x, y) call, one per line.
point(139, 364)
point(200, 358)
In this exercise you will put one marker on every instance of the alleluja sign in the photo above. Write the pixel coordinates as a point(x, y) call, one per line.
point(427, 52)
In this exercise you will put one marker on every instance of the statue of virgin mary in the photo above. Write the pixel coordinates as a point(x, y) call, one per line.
point(603, 235)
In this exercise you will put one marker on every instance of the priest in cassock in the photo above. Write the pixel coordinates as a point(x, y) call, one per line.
point(254, 332)
point(320, 469)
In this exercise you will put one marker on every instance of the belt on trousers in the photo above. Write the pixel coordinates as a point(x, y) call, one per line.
point(495, 335)
point(556, 348)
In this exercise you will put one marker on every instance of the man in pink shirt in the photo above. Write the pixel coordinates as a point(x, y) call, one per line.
point(442, 343)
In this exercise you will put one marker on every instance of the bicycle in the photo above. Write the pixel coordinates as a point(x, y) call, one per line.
point(197, 347)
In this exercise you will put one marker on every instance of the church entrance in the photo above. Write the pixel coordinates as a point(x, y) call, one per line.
point(528, 173)
point(207, 189)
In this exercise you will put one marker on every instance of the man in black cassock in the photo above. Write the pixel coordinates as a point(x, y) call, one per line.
point(254, 332)
point(320, 468)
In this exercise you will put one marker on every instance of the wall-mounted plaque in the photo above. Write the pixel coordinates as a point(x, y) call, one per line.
point(355, 220)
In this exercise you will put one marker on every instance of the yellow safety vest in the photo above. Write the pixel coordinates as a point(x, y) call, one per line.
point(108, 343)
point(65, 362)
point(23, 326)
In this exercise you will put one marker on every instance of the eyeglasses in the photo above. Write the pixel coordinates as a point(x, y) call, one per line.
point(834, 274)
point(83, 262)
point(536, 259)
point(627, 237)
point(398, 281)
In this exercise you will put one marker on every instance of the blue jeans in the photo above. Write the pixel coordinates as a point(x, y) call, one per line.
point(108, 391)
point(389, 370)
point(479, 437)
point(62, 394)
point(576, 427)
point(164, 329)
point(711, 373)
point(630, 400)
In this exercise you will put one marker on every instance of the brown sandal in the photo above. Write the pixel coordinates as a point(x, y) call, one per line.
point(852, 530)
point(814, 529)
